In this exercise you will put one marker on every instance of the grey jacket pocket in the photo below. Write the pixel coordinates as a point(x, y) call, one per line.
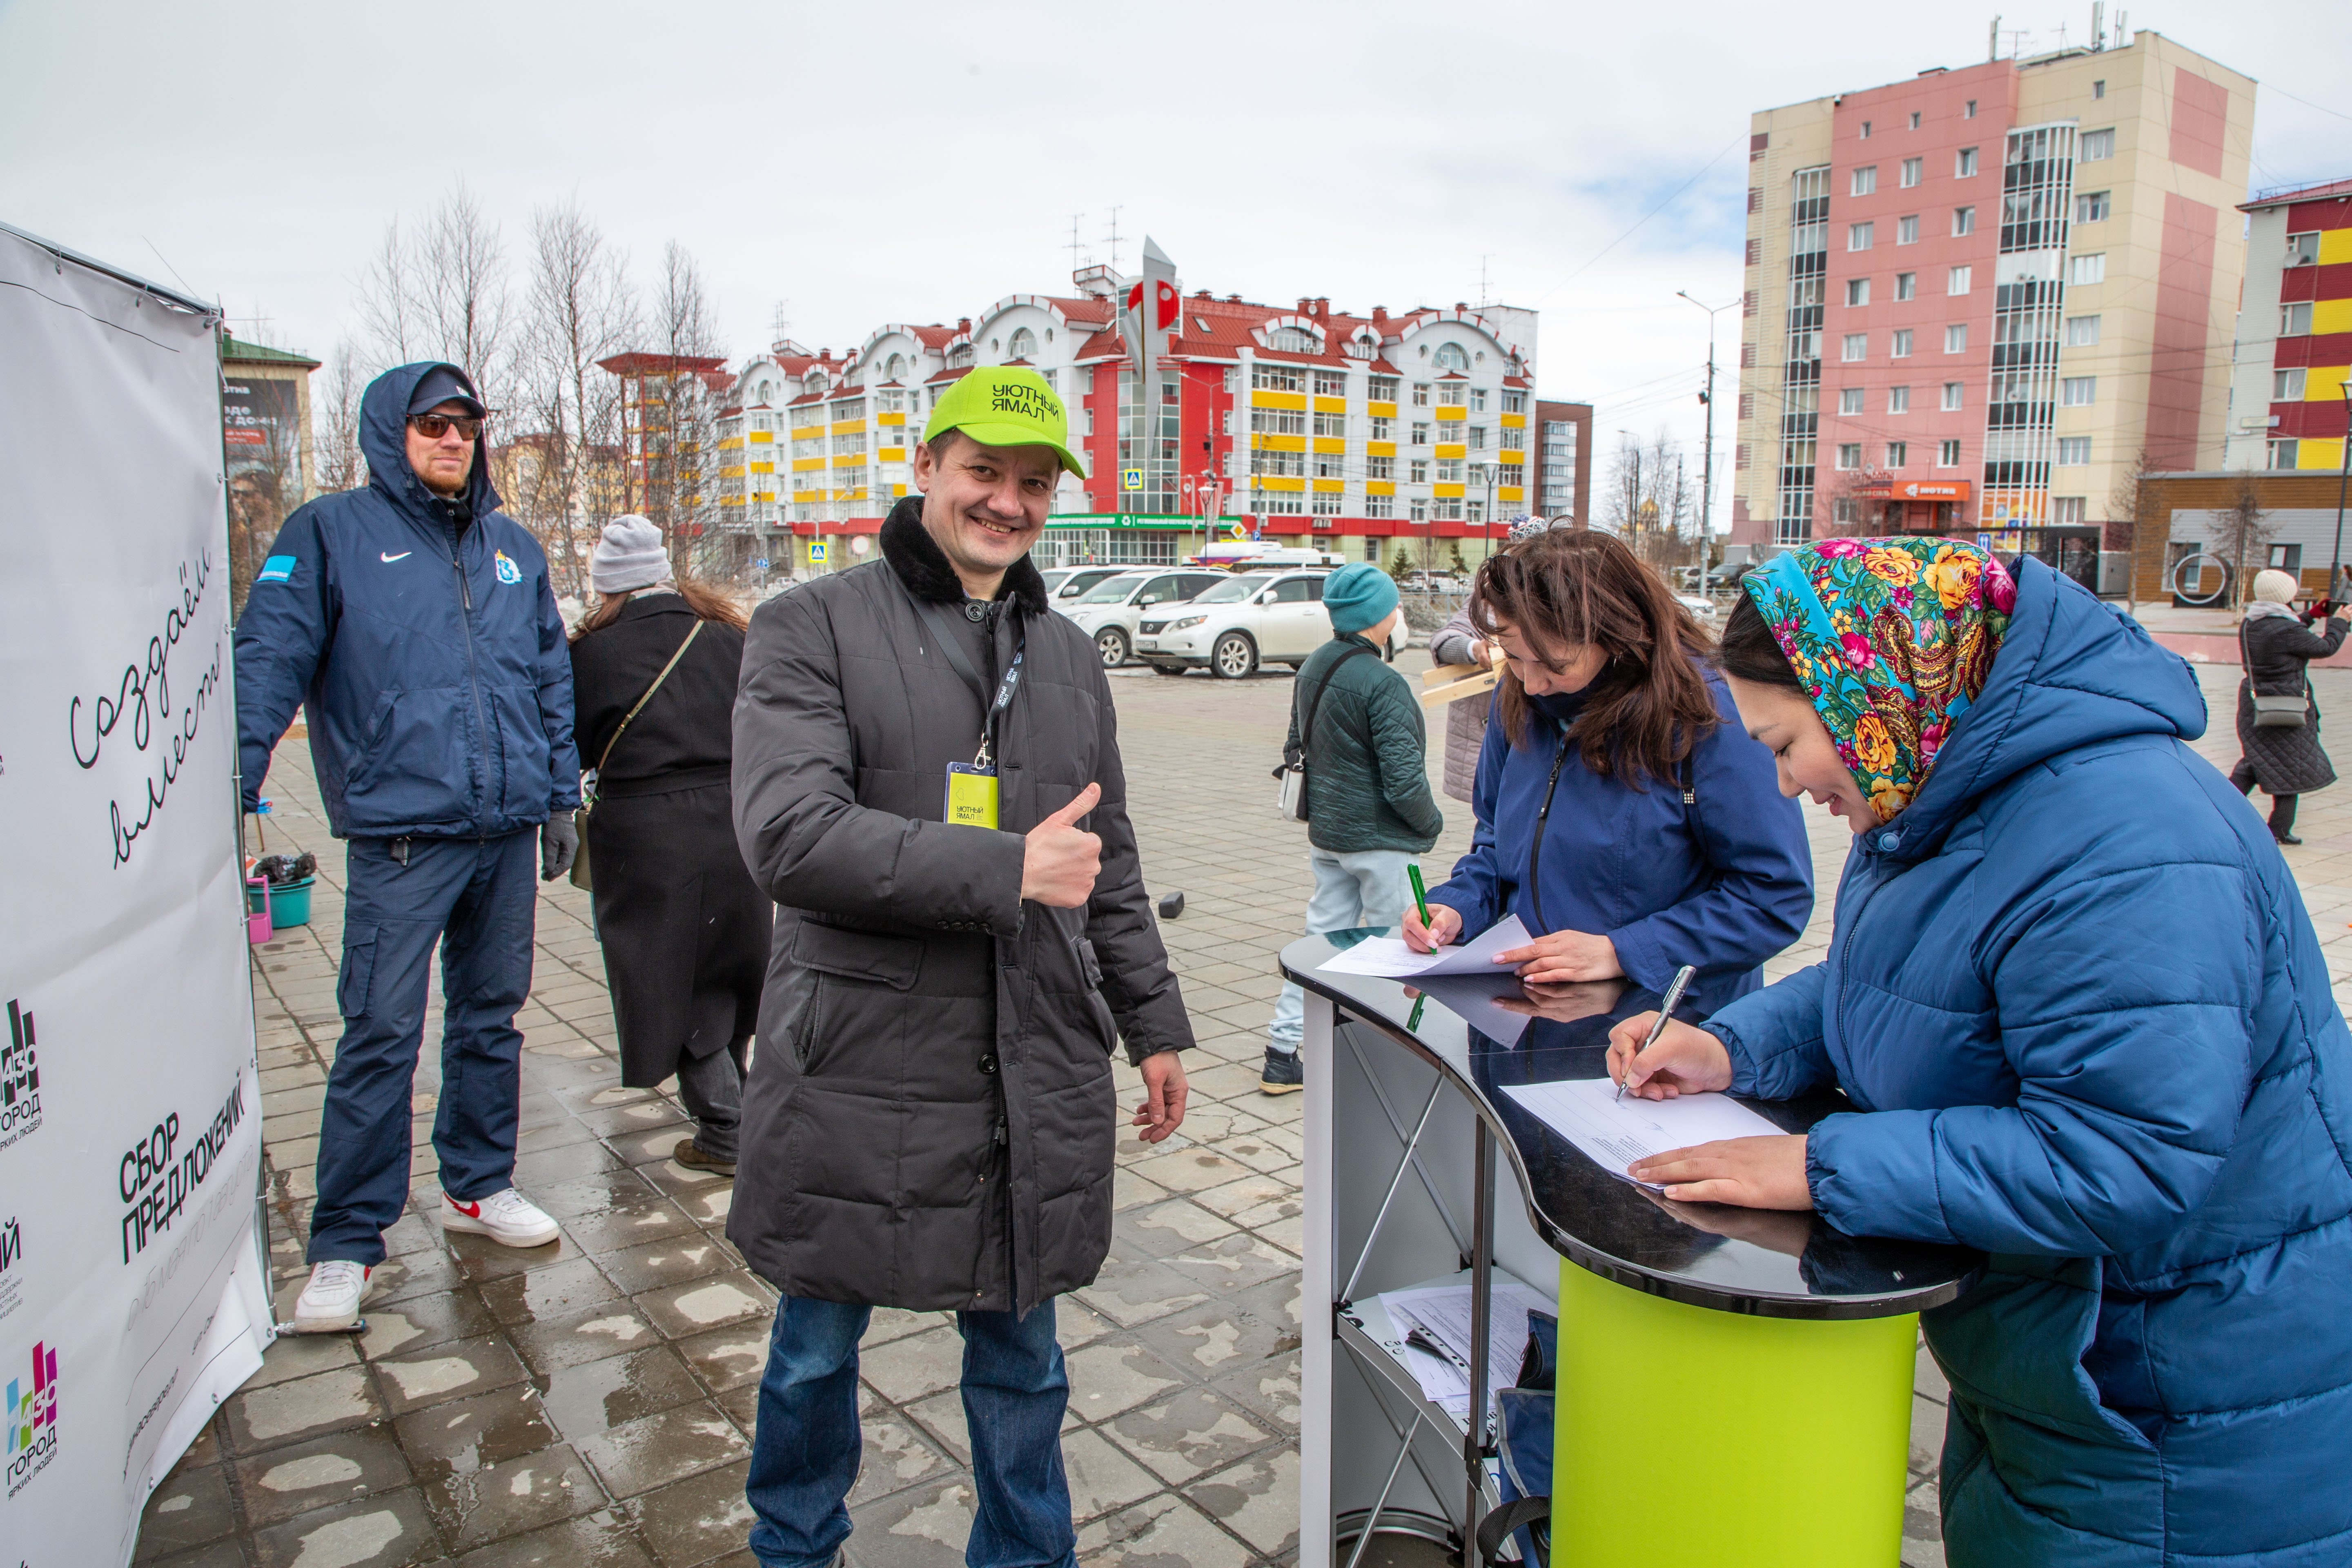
point(893, 961)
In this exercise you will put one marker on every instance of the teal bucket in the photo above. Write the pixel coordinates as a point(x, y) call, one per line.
point(290, 905)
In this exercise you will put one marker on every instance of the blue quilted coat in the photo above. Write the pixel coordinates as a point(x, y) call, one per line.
point(2085, 1023)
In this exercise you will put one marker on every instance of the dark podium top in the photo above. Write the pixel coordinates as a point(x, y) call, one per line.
point(1762, 1262)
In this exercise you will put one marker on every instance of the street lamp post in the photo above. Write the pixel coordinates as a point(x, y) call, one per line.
point(1707, 467)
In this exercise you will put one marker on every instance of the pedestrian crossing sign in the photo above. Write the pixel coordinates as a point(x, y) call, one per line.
point(1131, 479)
point(816, 554)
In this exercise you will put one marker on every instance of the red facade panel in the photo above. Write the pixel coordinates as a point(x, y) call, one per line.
point(2184, 297)
point(2201, 117)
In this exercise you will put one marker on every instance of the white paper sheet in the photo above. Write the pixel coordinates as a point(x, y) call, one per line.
point(1389, 958)
point(1443, 1311)
point(1614, 1134)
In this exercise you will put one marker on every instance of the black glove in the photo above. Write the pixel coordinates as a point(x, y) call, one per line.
point(559, 843)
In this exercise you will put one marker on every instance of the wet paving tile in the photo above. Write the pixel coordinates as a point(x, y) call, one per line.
point(904, 1370)
point(1102, 1478)
point(1131, 1292)
point(694, 1520)
point(391, 1531)
point(1234, 1264)
point(592, 1334)
point(225, 1553)
point(655, 1450)
point(643, 1148)
point(1162, 1230)
point(897, 1456)
point(590, 1194)
point(532, 1172)
point(1188, 1433)
point(628, 1225)
point(1257, 1499)
point(1114, 1375)
point(586, 1400)
point(634, 1116)
point(421, 1323)
point(453, 1370)
point(673, 1260)
point(1219, 1337)
point(558, 1290)
point(730, 1357)
point(291, 1356)
point(599, 1540)
point(470, 1434)
point(925, 1527)
point(186, 1512)
point(288, 1412)
point(701, 1305)
point(1163, 1532)
point(416, 1274)
point(479, 1259)
point(321, 1473)
point(539, 1489)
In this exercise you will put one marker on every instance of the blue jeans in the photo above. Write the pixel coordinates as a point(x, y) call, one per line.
point(1360, 888)
point(475, 898)
point(805, 1449)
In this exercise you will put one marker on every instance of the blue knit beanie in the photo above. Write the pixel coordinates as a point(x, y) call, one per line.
point(1359, 595)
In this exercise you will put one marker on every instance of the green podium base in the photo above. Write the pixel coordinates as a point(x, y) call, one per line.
point(1693, 1438)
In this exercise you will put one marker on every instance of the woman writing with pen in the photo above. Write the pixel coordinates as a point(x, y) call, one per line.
point(2085, 1026)
point(1628, 823)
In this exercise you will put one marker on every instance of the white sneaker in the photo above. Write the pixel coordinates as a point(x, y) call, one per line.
point(330, 1303)
point(508, 1218)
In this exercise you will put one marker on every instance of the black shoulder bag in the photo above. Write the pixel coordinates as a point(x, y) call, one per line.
point(1291, 800)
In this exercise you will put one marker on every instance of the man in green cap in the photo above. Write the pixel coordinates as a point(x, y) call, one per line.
point(927, 781)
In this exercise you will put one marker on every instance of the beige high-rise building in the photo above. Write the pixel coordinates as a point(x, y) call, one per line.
point(1976, 298)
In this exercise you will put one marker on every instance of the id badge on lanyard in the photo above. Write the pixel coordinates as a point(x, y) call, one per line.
point(971, 795)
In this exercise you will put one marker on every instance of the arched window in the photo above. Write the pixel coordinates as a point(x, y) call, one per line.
point(1024, 345)
point(895, 366)
point(811, 383)
point(1451, 356)
point(960, 357)
point(1293, 340)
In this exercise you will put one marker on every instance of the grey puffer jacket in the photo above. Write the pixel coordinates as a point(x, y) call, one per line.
point(930, 1120)
point(1465, 721)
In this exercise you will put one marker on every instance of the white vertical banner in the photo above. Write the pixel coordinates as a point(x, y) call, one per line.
point(132, 1296)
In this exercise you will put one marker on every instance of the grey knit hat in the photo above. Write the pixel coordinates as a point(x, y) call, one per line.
point(630, 555)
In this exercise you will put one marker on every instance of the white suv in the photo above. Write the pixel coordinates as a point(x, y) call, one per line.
point(1110, 610)
point(1271, 617)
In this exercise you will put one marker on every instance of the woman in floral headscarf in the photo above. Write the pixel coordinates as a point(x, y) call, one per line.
point(2085, 1026)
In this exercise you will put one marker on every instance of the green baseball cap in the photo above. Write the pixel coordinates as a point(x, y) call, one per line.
point(1003, 406)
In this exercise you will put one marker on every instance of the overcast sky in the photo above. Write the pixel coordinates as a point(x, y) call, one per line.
point(864, 164)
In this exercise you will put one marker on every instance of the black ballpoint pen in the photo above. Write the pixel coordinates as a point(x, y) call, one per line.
point(1666, 1012)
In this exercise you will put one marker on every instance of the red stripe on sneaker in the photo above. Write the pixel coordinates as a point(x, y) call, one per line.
point(471, 1211)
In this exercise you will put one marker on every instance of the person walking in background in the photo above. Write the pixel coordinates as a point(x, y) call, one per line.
point(2278, 645)
point(412, 624)
point(684, 928)
point(1623, 815)
point(1369, 811)
point(1458, 641)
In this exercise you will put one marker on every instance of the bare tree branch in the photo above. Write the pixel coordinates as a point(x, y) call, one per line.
point(336, 417)
point(460, 275)
point(578, 308)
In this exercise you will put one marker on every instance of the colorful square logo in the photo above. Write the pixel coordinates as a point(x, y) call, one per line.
point(29, 1415)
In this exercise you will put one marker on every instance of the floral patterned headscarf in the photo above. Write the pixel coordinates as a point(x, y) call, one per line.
point(1892, 638)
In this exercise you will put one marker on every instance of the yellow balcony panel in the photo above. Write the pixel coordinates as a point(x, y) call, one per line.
point(2329, 316)
point(807, 432)
point(1511, 456)
point(808, 495)
point(1451, 411)
point(1453, 450)
point(889, 419)
point(760, 467)
point(1277, 482)
point(732, 444)
point(896, 490)
point(2335, 246)
point(1515, 421)
point(730, 500)
point(1381, 410)
point(2328, 455)
point(2324, 385)
point(762, 438)
point(847, 426)
point(1330, 444)
point(1263, 399)
point(1443, 491)
point(1379, 448)
point(1331, 406)
point(891, 454)
point(807, 465)
point(1380, 487)
point(1329, 487)
point(1509, 492)
point(850, 460)
point(1278, 443)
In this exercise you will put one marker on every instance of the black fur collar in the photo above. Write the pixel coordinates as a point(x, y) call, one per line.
point(923, 566)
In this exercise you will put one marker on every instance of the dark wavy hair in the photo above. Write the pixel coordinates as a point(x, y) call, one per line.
point(707, 603)
point(1569, 588)
point(1749, 651)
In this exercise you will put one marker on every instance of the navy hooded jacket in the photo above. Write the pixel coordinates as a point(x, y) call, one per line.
point(431, 663)
point(2086, 1026)
point(1723, 881)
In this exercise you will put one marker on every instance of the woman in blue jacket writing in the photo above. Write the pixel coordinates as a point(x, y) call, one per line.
point(2085, 1026)
point(1622, 816)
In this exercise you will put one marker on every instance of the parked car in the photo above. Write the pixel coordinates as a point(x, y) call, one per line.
point(1273, 617)
point(1701, 608)
point(1110, 610)
point(1064, 583)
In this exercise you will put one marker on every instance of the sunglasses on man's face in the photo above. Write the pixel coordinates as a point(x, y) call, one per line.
point(432, 426)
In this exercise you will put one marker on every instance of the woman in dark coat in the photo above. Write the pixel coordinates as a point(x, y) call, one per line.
point(684, 928)
point(2285, 761)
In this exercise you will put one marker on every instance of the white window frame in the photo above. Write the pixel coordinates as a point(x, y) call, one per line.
point(1965, 163)
point(1948, 453)
point(1958, 281)
point(2082, 332)
point(2286, 447)
point(2073, 451)
point(1849, 455)
point(2078, 392)
point(2301, 254)
point(1858, 235)
point(1898, 400)
point(1907, 286)
point(2295, 320)
point(1899, 347)
point(1857, 292)
point(1864, 181)
point(1954, 391)
point(1963, 222)
point(2288, 386)
point(1898, 454)
point(1849, 402)
point(1913, 169)
point(2098, 145)
point(1955, 337)
point(1853, 347)
point(2082, 271)
point(1906, 230)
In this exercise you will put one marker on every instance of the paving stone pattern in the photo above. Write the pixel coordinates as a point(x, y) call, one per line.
point(591, 1402)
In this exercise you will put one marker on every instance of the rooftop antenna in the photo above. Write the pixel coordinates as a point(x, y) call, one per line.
point(780, 324)
point(1484, 258)
point(1992, 38)
point(1077, 246)
point(1113, 240)
point(2098, 24)
point(2062, 37)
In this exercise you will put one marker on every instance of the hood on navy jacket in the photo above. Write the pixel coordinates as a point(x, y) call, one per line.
point(421, 639)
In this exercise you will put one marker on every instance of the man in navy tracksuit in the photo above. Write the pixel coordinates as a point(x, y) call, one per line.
point(413, 623)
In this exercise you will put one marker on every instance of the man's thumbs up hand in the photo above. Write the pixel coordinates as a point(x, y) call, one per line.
point(1061, 861)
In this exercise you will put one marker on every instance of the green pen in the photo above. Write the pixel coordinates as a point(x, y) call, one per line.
point(1419, 894)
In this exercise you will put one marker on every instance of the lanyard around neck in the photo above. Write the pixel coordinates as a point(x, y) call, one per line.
point(993, 711)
